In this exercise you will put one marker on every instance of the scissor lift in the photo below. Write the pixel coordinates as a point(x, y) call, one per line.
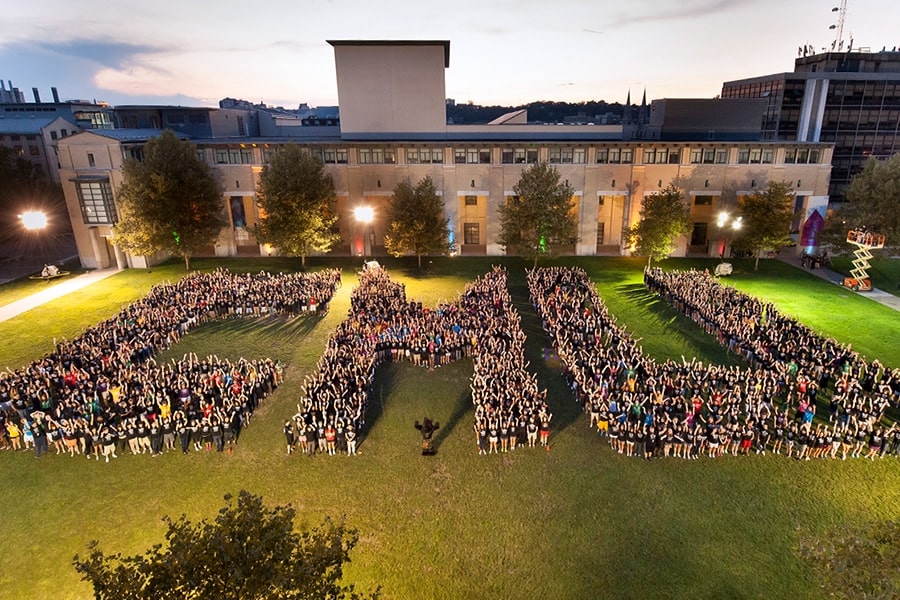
point(865, 242)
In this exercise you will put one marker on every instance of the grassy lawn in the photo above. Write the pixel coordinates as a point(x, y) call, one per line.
point(20, 288)
point(578, 521)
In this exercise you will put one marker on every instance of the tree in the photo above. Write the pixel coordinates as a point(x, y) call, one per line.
point(168, 202)
point(416, 221)
point(767, 217)
point(248, 552)
point(297, 203)
point(665, 216)
point(873, 199)
point(857, 563)
point(538, 220)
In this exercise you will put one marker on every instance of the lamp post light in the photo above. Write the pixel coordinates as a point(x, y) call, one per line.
point(33, 220)
point(725, 222)
point(365, 215)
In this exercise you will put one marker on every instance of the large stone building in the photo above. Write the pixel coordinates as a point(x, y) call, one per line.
point(849, 99)
point(393, 128)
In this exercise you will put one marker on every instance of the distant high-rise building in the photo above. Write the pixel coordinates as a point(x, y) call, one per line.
point(850, 99)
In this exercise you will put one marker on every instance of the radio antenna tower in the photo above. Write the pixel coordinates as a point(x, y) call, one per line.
point(837, 44)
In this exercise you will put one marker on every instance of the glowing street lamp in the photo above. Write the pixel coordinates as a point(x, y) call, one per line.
point(33, 220)
point(725, 221)
point(365, 215)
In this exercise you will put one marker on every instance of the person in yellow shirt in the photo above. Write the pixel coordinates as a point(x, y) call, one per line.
point(15, 435)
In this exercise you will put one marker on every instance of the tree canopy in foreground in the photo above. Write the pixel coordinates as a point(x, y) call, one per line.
point(170, 201)
point(857, 563)
point(248, 552)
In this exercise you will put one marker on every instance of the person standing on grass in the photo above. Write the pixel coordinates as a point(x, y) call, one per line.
point(545, 427)
point(330, 438)
point(532, 432)
point(350, 436)
point(39, 433)
point(183, 432)
point(156, 437)
point(493, 436)
point(289, 436)
point(312, 438)
point(876, 440)
point(300, 432)
point(15, 435)
point(481, 431)
point(218, 433)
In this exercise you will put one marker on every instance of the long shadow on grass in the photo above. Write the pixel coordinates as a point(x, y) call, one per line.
point(382, 388)
point(278, 329)
point(538, 352)
point(638, 294)
point(461, 407)
point(677, 323)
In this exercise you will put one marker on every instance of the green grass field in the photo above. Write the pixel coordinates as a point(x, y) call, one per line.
point(20, 288)
point(578, 521)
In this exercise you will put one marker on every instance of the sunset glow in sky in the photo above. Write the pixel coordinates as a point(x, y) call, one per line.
point(501, 51)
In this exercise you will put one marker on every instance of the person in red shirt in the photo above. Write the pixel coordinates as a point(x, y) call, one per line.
point(330, 438)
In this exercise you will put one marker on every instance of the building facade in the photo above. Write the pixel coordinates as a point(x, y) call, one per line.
point(849, 99)
point(32, 129)
point(474, 167)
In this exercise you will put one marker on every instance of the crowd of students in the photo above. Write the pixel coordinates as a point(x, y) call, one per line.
point(688, 409)
point(104, 393)
point(383, 326)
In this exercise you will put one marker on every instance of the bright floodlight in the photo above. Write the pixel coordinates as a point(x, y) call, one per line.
point(33, 219)
point(737, 223)
point(723, 218)
point(364, 214)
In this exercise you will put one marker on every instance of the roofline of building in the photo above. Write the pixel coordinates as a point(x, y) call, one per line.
point(169, 106)
point(865, 76)
point(444, 43)
point(409, 140)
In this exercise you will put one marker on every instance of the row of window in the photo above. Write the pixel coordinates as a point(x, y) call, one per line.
point(801, 156)
point(32, 150)
point(522, 156)
point(96, 200)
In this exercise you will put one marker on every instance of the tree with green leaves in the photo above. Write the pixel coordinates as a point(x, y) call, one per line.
point(416, 221)
point(248, 552)
point(873, 200)
point(767, 216)
point(665, 217)
point(170, 201)
point(297, 202)
point(538, 220)
point(853, 562)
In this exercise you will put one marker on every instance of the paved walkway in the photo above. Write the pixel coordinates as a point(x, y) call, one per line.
point(875, 294)
point(14, 309)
